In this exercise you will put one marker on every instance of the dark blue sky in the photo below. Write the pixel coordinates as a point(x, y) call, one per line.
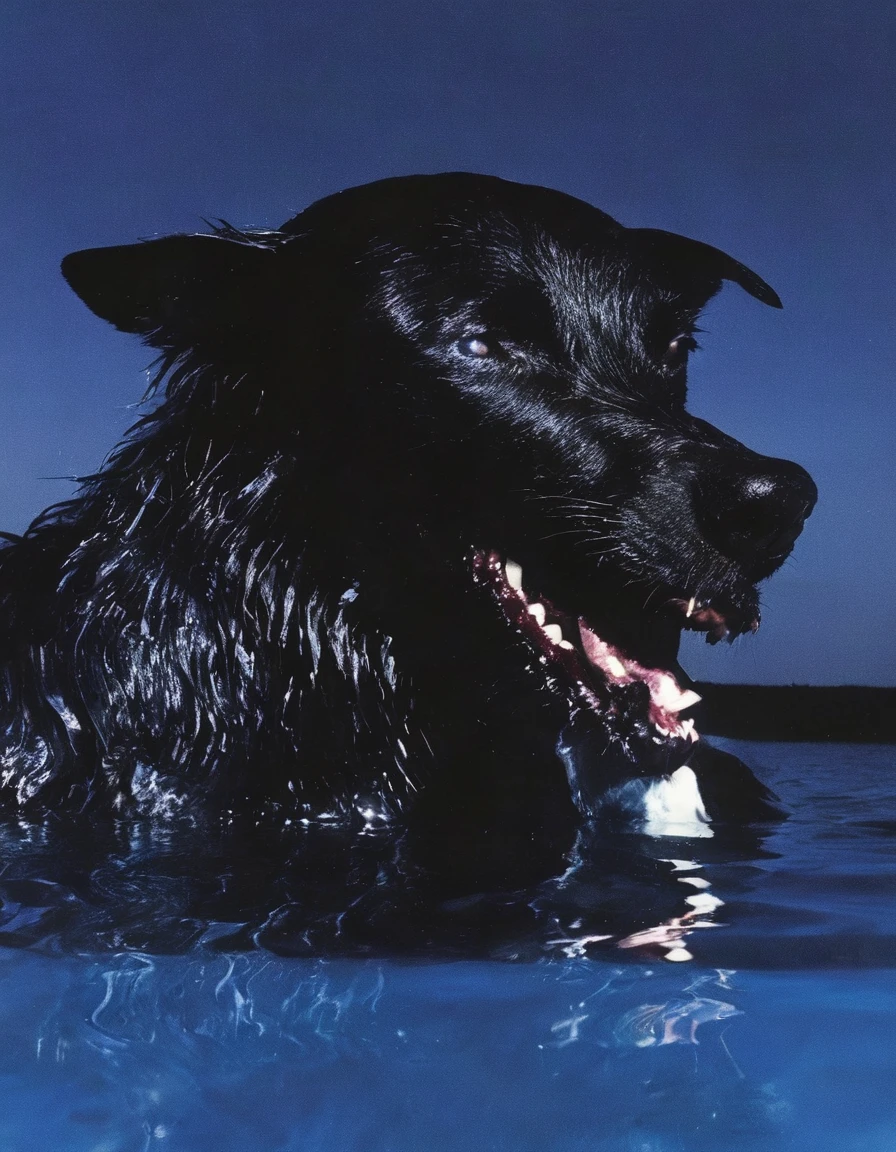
point(764, 128)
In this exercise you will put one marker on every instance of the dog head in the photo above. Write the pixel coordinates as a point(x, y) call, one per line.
point(483, 387)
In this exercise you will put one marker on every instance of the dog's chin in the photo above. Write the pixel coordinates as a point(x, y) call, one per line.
point(613, 662)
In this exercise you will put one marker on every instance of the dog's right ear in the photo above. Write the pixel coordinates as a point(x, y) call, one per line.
point(177, 289)
point(680, 252)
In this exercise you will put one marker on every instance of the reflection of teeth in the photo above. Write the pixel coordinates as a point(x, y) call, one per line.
point(694, 881)
point(553, 632)
point(666, 935)
point(537, 610)
point(704, 902)
point(678, 954)
point(682, 865)
point(514, 575)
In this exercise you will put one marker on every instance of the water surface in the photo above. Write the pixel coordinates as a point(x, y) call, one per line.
point(778, 1034)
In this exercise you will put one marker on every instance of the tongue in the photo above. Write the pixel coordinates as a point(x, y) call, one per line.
point(667, 698)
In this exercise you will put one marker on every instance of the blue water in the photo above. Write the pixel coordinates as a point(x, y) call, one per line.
point(778, 1034)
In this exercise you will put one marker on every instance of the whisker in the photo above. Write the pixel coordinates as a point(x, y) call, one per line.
point(570, 500)
point(576, 532)
point(599, 552)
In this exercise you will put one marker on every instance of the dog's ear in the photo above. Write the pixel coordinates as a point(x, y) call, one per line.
point(177, 288)
point(668, 248)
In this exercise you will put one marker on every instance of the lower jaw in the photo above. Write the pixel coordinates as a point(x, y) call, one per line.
point(636, 701)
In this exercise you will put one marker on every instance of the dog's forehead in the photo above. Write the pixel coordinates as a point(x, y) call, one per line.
point(469, 232)
point(516, 262)
point(404, 205)
point(456, 217)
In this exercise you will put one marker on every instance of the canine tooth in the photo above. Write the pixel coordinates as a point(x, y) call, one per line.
point(691, 605)
point(537, 610)
point(615, 665)
point(567, 644)
point(553, 632)
point(514, 575)
point(688, 731)
point(666, 693)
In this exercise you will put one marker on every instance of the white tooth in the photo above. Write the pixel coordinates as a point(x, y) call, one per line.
point(567, 644)
point(514, 575)
point(537, 610)
point(688, 731)
point(616, 667)
point(666, 694)
point(691, 604)
point(553, 632)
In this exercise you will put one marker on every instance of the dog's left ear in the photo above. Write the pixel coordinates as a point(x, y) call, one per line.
point(176, 289)
point(705, 261)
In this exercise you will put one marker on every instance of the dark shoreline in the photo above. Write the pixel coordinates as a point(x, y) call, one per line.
point(760, 712)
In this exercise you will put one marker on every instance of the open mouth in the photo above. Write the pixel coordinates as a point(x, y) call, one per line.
point(595, 673)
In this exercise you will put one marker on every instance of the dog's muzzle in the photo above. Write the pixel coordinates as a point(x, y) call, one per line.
point(753, 510)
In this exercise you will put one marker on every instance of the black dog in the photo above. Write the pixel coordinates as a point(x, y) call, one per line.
point(421, 503)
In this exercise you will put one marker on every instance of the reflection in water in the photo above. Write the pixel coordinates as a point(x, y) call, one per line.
point(675, 1022)
point(177, 885)
point(223, 1053)
point(186, 1006)
point(187, 1053)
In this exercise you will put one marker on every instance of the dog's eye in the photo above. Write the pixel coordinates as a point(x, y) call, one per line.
point(679, 350)
point(477, 347)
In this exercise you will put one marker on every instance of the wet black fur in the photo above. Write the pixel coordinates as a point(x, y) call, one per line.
point(263, 603)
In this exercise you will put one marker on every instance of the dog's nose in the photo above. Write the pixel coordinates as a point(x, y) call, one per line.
point(754, 513)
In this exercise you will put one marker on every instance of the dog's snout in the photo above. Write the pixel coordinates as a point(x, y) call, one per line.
point(755, 512)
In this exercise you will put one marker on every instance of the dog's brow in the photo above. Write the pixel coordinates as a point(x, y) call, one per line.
point(521, 303)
